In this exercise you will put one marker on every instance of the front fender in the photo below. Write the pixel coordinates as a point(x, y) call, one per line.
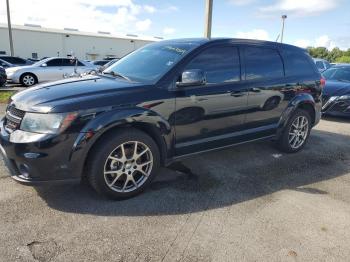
point(108, 120)
point(297, 102)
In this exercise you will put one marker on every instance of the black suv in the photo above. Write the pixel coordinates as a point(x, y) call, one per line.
point(3, 76)
point(165, 101)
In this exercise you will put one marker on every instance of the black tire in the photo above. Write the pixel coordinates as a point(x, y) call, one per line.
point(99, 160)
point(28, 79)
point(284, 143)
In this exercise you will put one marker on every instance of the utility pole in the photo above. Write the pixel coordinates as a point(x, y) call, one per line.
point(208, 18)
point(9, 27)
point(284, 17)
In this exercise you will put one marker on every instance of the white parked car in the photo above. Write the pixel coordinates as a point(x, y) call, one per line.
point(49, 69)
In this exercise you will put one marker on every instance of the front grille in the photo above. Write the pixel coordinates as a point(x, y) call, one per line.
point(13, 118)
point(325, 99)
point(340, 107)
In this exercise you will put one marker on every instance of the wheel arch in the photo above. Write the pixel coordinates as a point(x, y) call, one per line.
point(302, 101)
point(29, 73)
point(310, 109)
point(154, 126)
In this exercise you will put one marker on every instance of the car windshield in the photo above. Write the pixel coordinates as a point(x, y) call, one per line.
point(40, 62)
point(111, 62)
point(149, 63)
point(339, 74)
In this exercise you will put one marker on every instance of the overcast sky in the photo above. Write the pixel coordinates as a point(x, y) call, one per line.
point(310, 22)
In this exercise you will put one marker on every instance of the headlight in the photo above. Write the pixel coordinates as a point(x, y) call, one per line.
point(9, 73)
point(344, 97)
point(47, 123)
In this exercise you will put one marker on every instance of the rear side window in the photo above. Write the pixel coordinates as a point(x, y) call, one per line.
point(220, 64)
point(328, 65)
point(297, 63)
point(262, 63)
point(68, 62)
point(319, 65)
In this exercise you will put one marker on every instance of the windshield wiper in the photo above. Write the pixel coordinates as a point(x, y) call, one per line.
point(117, 75)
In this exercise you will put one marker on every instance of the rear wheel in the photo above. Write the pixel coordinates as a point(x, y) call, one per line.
point(296, 132)
point(123, 164)
point(28, 79)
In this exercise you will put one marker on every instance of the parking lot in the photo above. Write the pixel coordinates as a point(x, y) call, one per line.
point(248, 203)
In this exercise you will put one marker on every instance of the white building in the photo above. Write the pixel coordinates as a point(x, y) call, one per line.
point(32, 41)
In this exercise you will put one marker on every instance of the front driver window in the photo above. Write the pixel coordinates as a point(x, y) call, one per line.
point(54, 62)
point(220, 64)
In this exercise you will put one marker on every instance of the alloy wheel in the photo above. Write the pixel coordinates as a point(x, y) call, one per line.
point(28, 80)
point(128, 166)
point(298, 132)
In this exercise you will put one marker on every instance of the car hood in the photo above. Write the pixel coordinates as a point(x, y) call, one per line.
point(336, 88)
point(76, 94)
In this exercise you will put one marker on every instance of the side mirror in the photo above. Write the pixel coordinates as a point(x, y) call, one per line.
point(193, 77)
point(44, 65)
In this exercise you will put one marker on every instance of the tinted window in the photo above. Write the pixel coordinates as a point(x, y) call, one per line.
point(262, 63)
point(220, 64)
point(68, 62)
point(328, 65)
point(319, 65)
point(101, 62)
point(297, 63)
point(14, 60)
point(54, 62)
point(339, 74)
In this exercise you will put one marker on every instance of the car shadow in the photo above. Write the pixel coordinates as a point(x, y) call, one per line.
point(217, 179)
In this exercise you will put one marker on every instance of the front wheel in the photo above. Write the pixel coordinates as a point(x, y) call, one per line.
point(296, 132)
point(123, 164)
point(28, 79)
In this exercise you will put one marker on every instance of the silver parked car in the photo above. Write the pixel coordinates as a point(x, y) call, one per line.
point(48, 69)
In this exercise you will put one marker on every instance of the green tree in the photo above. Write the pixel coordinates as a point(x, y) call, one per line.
point(335, 54)
point(318, 52)
point(343, 59)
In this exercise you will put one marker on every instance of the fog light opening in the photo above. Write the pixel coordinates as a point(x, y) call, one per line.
point(24, 170)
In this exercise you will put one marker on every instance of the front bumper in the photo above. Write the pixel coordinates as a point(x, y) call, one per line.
point(47, 160)
point(12, 78)
point(337, 108)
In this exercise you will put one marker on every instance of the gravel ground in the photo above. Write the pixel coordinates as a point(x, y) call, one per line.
point(248, 203)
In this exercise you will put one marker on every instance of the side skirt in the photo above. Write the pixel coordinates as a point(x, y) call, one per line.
point(177, 158)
